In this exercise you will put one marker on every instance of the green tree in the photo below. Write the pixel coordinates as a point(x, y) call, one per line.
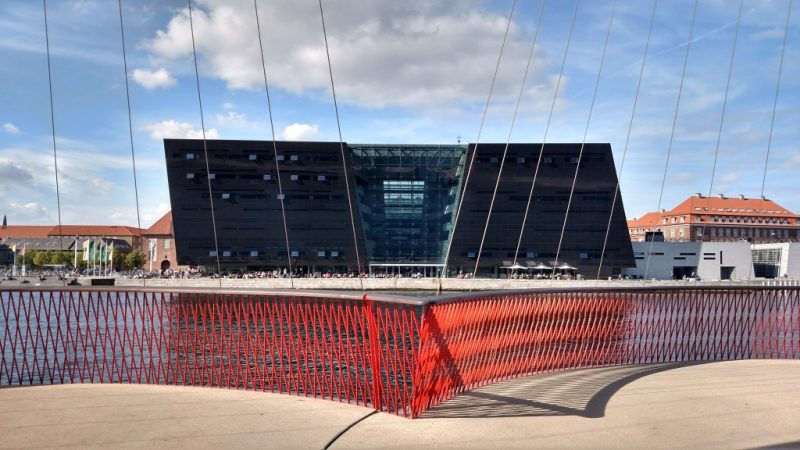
point(39, 259)
point(134, 260)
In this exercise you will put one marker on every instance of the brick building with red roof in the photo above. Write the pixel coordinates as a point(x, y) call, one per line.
point(160, 254)
point(720, 218)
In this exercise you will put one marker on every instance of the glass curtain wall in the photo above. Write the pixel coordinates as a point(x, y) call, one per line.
point(407, 197)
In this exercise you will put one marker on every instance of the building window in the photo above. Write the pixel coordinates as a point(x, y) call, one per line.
point(253, 157)
point(212, 253)
point(267, 177)
point(334, 253)
point(293, 158)
point(699, 232)
point(470, 253)
point(226, 253)
point(520, 160)
point(281, 196)
point(583, 255)
point(190, 156)
point(190, 176)
point(530, 255)
point(547, 160)
point(321, 178)
point(280, 158)
point(253, 253)
point(321, 253)
point(294, 177)
point(212, 176)
point(167, 244)
point(226, 196)
point(295, 253)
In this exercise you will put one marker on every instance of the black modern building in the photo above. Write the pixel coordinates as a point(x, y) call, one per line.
point(404, 200)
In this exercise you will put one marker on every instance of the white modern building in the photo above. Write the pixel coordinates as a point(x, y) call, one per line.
point(703, 260)
point(778, 260)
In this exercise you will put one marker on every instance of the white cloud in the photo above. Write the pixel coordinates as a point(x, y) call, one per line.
point(13, 173)
point(26, 211)
point(153, 79)
point(10, 128)
point(299, 132)
point(768, 33)
point(410, 54)
point(167, 129)
point(231, 118)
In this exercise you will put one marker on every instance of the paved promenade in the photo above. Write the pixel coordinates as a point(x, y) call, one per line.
point(742, 404)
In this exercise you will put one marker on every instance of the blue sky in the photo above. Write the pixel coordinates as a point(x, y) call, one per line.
point(406, 72)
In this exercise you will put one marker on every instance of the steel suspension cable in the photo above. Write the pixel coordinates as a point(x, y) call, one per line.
point(672, 133)
point(585, 134)
point(130, 126)
point(774, 109)
point(508, 142)
point(547, 127)
point(274, 146)
point(205, 147)
point(627, 138)
point(53, 127)
point(341, 148)
point(724, 107)
point(475, 149)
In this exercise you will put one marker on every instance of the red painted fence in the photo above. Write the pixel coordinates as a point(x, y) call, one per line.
point(395, 354)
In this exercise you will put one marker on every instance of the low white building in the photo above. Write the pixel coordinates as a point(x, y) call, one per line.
point(779, 260)
point(703, 260)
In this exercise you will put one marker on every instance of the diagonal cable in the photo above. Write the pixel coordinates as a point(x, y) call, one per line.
point(341, 148)
point(627, 138)
point(585, 134)
point(205, 146)
point(774, 109)
point(672, 133)
point(724, 107)
point(477, 142)
point(508, 141)
point(53, 125)
point(547, 127)
point(130, 124)
point(274, 146)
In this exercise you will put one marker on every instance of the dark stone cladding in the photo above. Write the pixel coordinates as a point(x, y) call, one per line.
point(249, 221)
point(588, 214)
point(250, 225)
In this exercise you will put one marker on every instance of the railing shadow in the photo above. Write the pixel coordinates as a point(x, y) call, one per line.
point(583, 393)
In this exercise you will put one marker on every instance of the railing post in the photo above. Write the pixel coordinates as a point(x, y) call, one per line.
point(375, 354)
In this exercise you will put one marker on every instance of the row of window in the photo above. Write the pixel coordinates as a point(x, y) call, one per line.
point(268, 177)
point(267, 156)
point(254, 253)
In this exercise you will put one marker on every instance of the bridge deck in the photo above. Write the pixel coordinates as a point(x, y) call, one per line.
point(738, 404)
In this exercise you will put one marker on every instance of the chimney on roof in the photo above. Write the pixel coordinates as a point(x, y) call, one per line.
point(5, 221)
point(722, 196)
point(742, 197)
point(763, 197)
point(698, 195)
point(663, 210)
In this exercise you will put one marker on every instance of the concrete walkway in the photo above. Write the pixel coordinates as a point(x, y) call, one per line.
point(742, 404)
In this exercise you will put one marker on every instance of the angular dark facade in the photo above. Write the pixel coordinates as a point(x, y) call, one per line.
point(404, 199)
point(586, 223)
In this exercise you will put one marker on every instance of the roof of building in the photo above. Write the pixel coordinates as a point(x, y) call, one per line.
point(95, 230)
point(25, 231)
point(698, 206)
point(648, 220)
point(163, 226)
point(738, 206)
point(41, 243)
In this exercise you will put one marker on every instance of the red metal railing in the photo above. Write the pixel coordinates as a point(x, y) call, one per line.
point(391, 353)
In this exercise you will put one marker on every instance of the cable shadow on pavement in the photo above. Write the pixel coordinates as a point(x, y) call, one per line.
point(584, 393)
